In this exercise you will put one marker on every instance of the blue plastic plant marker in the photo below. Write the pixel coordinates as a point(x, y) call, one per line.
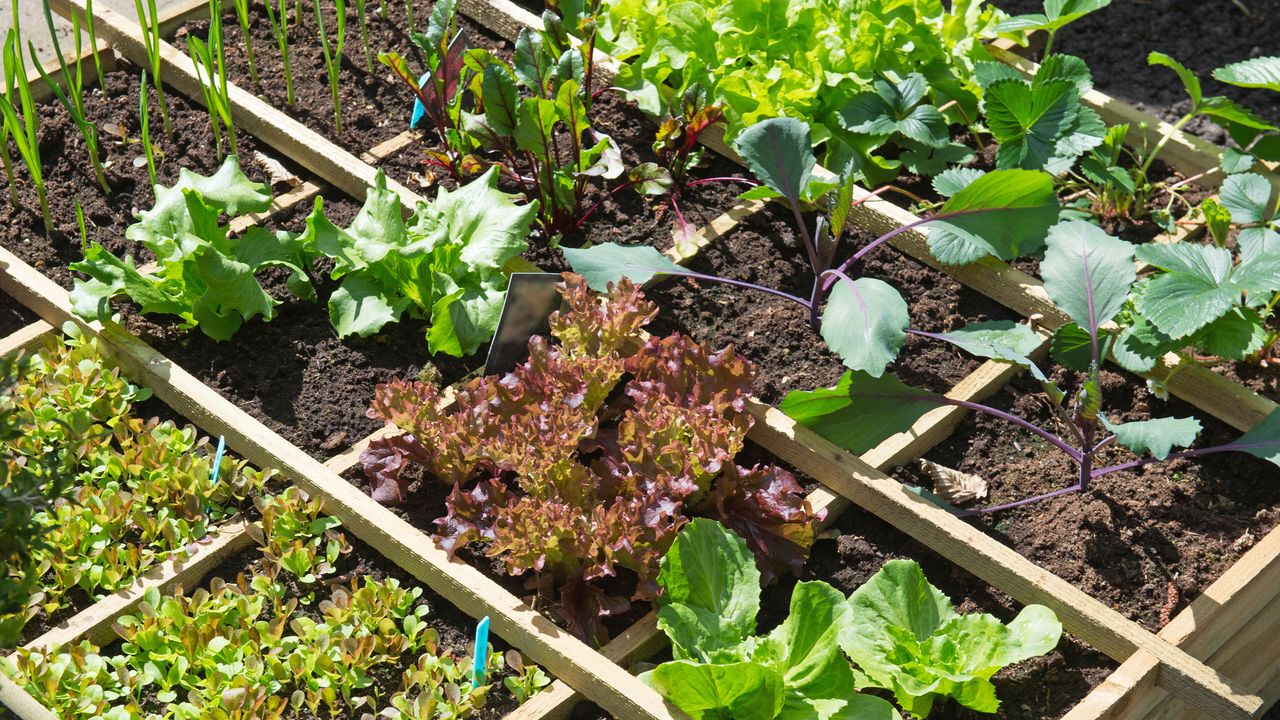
point(482, 652)
point(217, 459)
point(419, 110)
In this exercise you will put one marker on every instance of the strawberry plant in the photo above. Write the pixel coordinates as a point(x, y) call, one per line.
point(204, 276)
point(243, 650)
point(896, 632)
point(590, 456)
point(444, 264)
point(1090, 275)
point(863, 320)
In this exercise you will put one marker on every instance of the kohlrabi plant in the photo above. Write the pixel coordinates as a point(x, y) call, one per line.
point(586, 460)
point(203, 275)
point(896, 633)
point(863, 320)
point(444, 264)
point(530, 118)
point(1090, 276)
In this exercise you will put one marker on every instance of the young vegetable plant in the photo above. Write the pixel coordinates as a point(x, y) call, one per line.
point(444, 264)
point(22, 124)
point(242, 16)
point(144, 130)
point(535, 117)
point(900, 633)
point(210, 60)
point(589, 457)
point(278, 15)
point(203, 275)
point(864, 321)
point(333, 55)
point(72, 97)
point(1057, 15)
point(150, 26)
point(1090, 275)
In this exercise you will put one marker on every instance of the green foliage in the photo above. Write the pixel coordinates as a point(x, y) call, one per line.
point(333, 55)
point(204, 276)
point(526, 679)
point(278, 16)
point(149, 25)
point(819, 70)
point(904, 636)
point(296, 536)
point(242, 17)
point(1057, 15)
point(1042, 123)
point(444, 264)
point(72, 96)
point(21, 123)
point(210, 60)
point(136, 493)
point(900, 632)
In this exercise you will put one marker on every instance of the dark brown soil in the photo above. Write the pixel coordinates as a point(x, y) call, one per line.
point(13, 315)
point(775, 334)
point(293, 373)
point(1136, 538)
point(69, 178)
point(1116, 40)
point(455, 627)
point(376, 105)
point(1263, 380)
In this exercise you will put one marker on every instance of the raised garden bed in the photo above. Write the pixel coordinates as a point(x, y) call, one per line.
point(1158, 672)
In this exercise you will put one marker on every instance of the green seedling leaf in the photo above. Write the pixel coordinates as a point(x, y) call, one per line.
point(865, 323)
point(1005, 212)
point(1217, 218)
point(602, 265)
point(861, 411)
point(1158, 436)
point(1087, 272)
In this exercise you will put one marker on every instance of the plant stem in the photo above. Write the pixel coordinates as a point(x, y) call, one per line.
point(279, 18)
point(150, 22)
point(1020, 503)
point(729, 178)
point(144, 119)
point(738, 283)
point(1164, 139)
point(242, 16)
point(1099, 472)
point(1054, 440)
point(364, 34)
point(93, 41)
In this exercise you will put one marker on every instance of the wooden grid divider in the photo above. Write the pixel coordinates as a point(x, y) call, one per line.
point(1177, 671)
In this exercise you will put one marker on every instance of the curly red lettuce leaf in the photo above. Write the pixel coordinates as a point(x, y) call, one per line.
point(767, 507)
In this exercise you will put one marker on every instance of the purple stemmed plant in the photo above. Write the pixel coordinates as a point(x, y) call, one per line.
point(863, 320)
point(1089, 275)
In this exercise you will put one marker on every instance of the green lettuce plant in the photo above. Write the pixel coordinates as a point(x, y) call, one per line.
point(896, 632)
point(444, 264)
point(203, 275)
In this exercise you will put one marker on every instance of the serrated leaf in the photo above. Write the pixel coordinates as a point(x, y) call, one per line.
point(1248, 197)
point(1190, 82)
point(1027, 120)
point(1234, 161)
point(1261, 72)
point(865, 323)
point(953, 180)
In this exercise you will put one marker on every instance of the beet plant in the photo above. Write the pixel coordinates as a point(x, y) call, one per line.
point(590, 456)
point(1090, 275)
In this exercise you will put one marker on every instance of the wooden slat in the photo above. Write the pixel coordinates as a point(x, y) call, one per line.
point(997, 564)
point(717, 228)
point(24, 338)
point(467, 588)
point(20, 703)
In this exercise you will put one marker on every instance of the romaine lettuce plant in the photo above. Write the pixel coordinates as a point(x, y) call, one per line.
point(444, 264)
point(203, 275)
point(863, 320)
point(530, 118)
point(1090, 275)
point(590, 456)
point(900, 632)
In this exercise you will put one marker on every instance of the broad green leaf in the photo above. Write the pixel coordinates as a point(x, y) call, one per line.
point(1248, 197)
point(713, 590)
point(535, 124)
point(1260, 72)
point(532, 64)
point(861, 410)
point(893, 108)
point(1262, 440)
point(742, 691)
point(1057, 14)
point(1190, 82)
point(228, 190)
point(501, 99)
point(1199, 285)
point(1028, 120)
point(359, 307)
point(1087, 272)
point(779, 152)
point(865, 323)
point(1065, 67)
point(1007, 212)
point(995, 339)
point(804, 649)
point(1237, 335)
point(952, 180)
point(1158, 436)
point(488, 224)
point(608, 263)
point(1234, 161)
point(1072, 347)
point(1254, 242)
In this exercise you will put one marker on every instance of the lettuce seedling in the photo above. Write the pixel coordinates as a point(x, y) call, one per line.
point(589, 457)
point(1090, 275)
point(863, 320)
point(203, 275)
point(444, 264)
point(900, 633)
